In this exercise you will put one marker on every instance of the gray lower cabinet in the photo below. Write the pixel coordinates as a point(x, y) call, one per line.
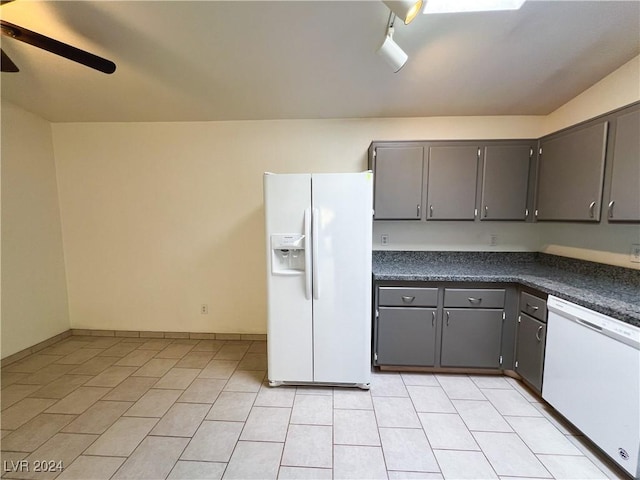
point(398, 183)
point(570, 175)
point(530, 350)
point(431, 325)
point(471, 338)
point(505, 182)
point(406, 336)
point(624, 204)
point(451, 185)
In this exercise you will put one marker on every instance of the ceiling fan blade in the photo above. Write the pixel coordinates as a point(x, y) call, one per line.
point(54, 46)
point(7, 64)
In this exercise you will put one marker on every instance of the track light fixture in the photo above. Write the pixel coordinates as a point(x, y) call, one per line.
point(406, 10)
point(390, 51)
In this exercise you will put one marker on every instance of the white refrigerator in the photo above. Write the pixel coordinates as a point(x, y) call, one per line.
point(318, 236)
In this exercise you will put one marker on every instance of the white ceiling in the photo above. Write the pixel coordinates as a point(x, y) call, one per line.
point(210, 60)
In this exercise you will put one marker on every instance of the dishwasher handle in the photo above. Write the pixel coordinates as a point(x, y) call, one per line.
point(590, 325)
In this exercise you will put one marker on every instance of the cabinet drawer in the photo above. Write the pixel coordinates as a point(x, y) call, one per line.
point(407, 297)
point(534, 306)
point(474, 297)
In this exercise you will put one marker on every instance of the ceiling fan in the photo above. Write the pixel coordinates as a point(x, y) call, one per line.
point(50, 45)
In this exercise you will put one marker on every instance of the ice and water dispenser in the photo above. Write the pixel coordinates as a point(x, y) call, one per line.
point(287, 254)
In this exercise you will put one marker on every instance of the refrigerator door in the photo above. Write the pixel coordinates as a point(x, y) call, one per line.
point(289, 307)
point(342, 220)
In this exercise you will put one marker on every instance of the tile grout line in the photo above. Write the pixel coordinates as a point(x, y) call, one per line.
point(204, 418)
point(470, 431)
point(244, 423)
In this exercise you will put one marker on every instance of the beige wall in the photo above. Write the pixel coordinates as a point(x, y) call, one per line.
point(159, 218)
point(34, 293)
point(616, 90)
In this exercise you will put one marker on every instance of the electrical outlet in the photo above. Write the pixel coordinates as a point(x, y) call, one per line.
point(384, 239)
point(493, 239)
point(204, 309)
point(635, 252)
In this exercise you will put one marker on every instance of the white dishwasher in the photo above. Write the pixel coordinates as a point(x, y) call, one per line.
point(592, 377)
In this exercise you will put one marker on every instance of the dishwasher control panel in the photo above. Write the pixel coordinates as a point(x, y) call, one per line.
point(623, 332)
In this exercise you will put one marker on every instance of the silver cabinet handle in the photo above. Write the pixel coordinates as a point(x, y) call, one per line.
point(592, 207)
point(611, 204)
point(433, 318)
point(486, 210)
point(532, 307)
point(408, 299)
point(447, 318)
point(431, 210)
point(418, 210)
point(474, 300)
point(538, 333)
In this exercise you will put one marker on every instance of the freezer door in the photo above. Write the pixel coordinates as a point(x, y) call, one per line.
point(343, 208)
point(289, 311)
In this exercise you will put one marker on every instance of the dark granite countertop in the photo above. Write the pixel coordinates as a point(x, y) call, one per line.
point(613, 291)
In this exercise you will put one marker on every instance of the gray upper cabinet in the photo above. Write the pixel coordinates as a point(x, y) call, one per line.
point(451, 186)
point(624, 204)
point(398, 183)
point(505, 182)
point(585, 173)
point(570, 176)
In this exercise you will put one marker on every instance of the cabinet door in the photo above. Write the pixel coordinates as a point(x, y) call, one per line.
point(530, 350)
point(471, 338)
point(624, 203)
point(504, 182)
point(571, 175)
point(398, 183)
point(406, 336)
point(451, 188)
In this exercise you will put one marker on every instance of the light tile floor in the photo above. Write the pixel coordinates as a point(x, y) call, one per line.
point(107, 407)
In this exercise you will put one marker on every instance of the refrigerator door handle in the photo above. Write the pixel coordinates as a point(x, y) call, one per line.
point(314, 252)
point(307, 253)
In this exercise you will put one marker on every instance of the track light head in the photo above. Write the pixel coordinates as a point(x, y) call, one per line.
point(404, 9)
point(392, 53)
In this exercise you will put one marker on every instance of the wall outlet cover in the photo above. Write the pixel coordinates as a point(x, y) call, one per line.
point(384, 239)
point(635, 252)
